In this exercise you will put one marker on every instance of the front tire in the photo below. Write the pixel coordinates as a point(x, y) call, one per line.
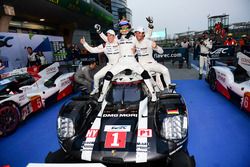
point(182, 159)
point(9, 118)
point(212, 79)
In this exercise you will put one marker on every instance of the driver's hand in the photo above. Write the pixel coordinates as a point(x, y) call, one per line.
point(149, 19)
point(98, 28)
point(82, 40)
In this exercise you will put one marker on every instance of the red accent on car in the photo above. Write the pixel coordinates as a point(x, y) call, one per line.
point(36, 103)
point(246, 101)
point(68, 90)
point(222, 90)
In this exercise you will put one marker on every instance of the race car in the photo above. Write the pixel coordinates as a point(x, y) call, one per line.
point(30, 90)
point(125, 129)
point(233, 81)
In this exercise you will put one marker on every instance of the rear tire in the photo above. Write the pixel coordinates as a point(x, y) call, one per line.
point(9, 118)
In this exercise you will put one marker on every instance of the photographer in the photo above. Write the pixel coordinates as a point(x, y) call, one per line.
point(205, 46)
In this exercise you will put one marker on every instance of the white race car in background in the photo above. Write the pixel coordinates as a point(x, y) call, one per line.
point(233, 82)
point(17, 100)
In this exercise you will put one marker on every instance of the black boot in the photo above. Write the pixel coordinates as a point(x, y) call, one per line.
point(200, 76)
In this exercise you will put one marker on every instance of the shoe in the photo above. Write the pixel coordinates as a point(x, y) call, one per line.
point(95, 91)
point(200, 76)
point(154, 97)
point(100, 99)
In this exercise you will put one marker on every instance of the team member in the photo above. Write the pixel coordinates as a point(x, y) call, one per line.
point(205, 46)
point(230, 41)
point(144, 49)
point(84, 76)
point(111, 50)
point(126, 41)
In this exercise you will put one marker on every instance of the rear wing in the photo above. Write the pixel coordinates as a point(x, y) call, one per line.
point(244, 61)
point(14, 72)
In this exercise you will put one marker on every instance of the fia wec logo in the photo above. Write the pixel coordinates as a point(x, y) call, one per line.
point(219, 51)
point(4, 41)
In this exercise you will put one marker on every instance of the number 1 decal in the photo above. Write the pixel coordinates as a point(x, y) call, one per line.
point(115, 140)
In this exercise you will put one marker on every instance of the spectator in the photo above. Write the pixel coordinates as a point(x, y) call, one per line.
point(32, 57)
point(41, 57)
point(230, 41)
point(186, 44)
point(243, 42)
point(84, 76)
point(205, 46)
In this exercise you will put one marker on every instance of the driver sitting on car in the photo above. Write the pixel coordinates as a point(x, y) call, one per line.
point(126, 41)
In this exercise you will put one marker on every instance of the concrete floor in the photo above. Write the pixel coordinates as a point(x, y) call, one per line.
point(181, 73)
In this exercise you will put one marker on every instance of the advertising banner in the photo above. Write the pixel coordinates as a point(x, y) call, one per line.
point(178, 54)
point(13, 46)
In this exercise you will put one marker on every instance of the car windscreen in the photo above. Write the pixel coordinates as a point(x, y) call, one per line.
point(125, 93)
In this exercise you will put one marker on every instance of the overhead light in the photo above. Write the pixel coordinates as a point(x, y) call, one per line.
point(42, 19)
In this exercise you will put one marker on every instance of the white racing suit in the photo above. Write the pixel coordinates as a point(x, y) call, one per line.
point(127, 61)
point(111, 50)
point(205, 47)
point(144, 51)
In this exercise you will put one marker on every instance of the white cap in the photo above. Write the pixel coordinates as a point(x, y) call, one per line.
point(112, 32)
point(139, 29)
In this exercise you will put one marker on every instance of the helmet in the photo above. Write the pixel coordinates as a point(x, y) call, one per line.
point(229, 34)
point(124, 22)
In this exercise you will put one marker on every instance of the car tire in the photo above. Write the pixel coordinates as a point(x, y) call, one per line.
point(181, 159)
point(60, 156)
point(9, 118)
point(212, 79)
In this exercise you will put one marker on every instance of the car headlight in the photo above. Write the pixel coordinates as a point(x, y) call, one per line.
point(174, 128)
point(65, 127)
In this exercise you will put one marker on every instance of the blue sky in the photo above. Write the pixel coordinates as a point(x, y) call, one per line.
point(177, 15)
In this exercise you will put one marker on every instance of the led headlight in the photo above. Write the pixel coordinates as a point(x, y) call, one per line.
point(174, 128)
point(65, 127)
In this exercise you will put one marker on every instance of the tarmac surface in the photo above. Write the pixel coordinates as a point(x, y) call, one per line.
point(183, 73)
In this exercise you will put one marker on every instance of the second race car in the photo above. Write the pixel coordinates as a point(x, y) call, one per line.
point(233, 81)
point(28, 91)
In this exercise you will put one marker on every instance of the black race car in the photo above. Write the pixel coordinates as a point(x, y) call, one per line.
point(126, 128)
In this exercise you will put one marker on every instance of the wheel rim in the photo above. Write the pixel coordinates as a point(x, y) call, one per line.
point(9, 119)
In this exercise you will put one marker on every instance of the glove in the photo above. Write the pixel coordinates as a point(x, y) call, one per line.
point(149, 19)
point(150, 22)
point(98, 28)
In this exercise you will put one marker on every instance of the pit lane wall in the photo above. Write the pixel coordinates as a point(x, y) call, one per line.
point(13, 46)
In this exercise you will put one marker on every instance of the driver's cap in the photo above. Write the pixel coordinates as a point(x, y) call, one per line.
point(111, 32)
point(139, 29)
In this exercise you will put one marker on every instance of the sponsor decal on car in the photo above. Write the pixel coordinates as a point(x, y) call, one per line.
point(144, 133)
point(51, 70)
point(245, 61)
point(117, 128)
point(119, 115)
point(115, 139)
point(221, 77)
point(92, 133)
